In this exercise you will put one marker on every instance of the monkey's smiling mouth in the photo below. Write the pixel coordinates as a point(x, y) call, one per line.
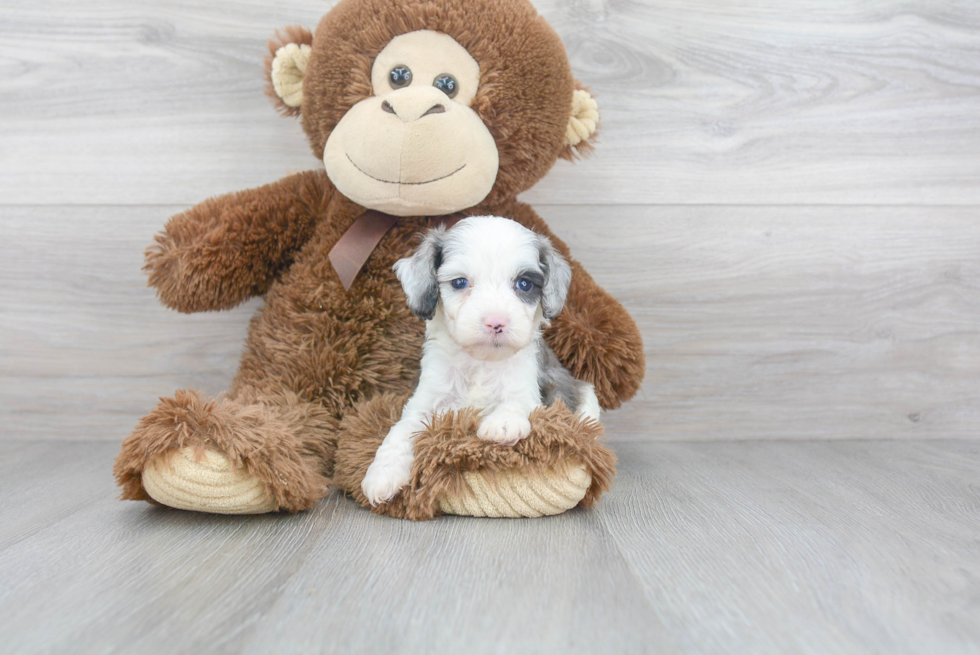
point(435, 179)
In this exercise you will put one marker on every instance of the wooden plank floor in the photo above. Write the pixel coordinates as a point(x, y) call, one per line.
point(701, 547)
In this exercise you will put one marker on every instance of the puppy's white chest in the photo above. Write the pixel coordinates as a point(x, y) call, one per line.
point(480, 395)
point(467, 388)
point(485, 385)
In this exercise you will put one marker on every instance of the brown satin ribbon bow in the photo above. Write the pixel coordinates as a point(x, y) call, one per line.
point(352, 250)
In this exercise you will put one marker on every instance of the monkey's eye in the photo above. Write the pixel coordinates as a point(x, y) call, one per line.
point(460, 283)
point(447, 84)
point(524, 284)
point(400, 76)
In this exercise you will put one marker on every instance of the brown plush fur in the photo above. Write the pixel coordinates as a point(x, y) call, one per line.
point(225, 250)
point(450, 448)
point(315, 353)
point(285, 443)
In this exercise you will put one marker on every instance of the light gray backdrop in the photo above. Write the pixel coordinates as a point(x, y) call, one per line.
point(785, 196)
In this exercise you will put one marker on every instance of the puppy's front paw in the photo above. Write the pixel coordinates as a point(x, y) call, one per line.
point(385, 477)
point(504, 428)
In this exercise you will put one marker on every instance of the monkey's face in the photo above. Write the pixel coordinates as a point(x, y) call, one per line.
point(428, 107)
point(415, 147)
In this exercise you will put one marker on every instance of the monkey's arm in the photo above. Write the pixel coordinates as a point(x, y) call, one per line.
point(594, 336)
point(229, 248)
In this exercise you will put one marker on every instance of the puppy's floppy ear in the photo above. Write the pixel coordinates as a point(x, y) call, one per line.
point(285, 65)
point(418, 274)
point(558, 275)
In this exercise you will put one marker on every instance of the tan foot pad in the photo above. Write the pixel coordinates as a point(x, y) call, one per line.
point(519, 493)
point(177, 479)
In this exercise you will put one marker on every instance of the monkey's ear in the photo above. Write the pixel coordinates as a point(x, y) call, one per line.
point(582, 124)
point(285, 64)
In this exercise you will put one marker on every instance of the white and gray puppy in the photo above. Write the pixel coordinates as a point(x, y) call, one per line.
point(485, 288)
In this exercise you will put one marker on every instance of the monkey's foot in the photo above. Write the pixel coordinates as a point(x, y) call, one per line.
point(518, 492)
point(209, 483)
point(562, 463)
point(229, 456)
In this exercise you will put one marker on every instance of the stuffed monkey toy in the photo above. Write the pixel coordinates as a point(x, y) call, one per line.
point(420, 110)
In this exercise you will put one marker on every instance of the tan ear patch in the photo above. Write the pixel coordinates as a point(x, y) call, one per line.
point(288, 67)
point(285, 63)
point(584, 119)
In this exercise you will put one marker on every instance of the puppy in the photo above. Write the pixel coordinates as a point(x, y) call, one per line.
point(485, 288)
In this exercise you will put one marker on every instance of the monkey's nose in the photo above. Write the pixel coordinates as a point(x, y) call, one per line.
point(411, 107)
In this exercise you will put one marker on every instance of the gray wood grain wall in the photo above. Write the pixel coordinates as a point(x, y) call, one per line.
point(785, 195)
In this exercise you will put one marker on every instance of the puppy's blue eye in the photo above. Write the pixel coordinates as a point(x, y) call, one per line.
point(460, 283)
point(524, 284)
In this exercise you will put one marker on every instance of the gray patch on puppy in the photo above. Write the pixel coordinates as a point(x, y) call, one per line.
point(417, 274)
point(558, 277)
point(533, 295)
point(556, 381)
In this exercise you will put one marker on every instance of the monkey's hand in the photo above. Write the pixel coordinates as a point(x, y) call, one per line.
point(599, 342)
point(227, 249)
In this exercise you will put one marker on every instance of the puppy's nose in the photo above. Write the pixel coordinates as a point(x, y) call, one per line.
point(495, 323)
